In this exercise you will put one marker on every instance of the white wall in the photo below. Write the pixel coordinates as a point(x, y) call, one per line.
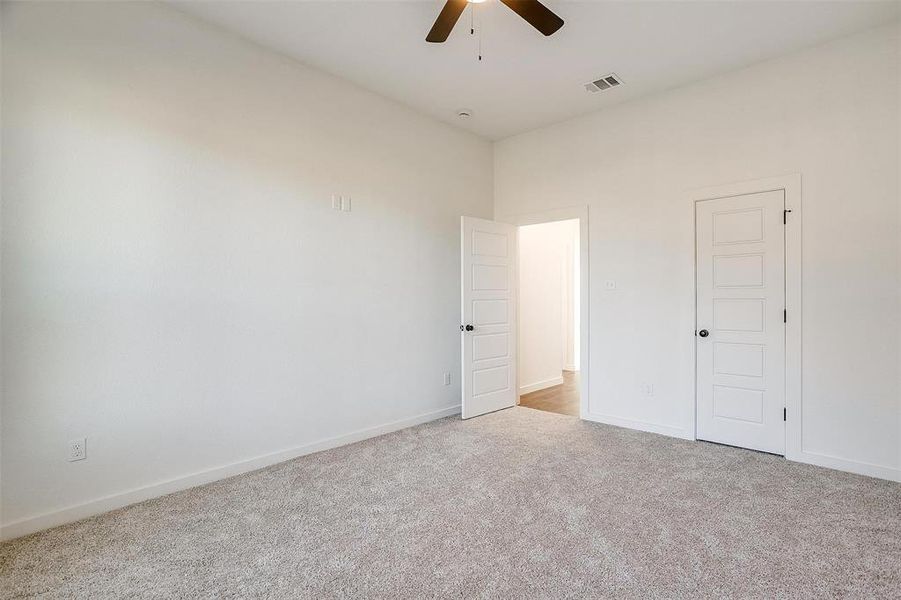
point(546, 321)
point(176, 286)
point(831, 114)
point(1, 278)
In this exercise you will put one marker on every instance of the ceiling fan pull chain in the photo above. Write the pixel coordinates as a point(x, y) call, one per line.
point(480, 36)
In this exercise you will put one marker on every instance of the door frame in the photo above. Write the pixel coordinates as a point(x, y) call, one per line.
point(549, 216)
point(791, 186)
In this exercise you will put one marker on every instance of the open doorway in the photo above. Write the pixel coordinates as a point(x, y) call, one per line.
point(549, 297)
point(491, 324)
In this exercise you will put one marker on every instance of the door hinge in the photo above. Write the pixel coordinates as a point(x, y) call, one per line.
point(785, 315)
point(785, 414)
point(785, 216)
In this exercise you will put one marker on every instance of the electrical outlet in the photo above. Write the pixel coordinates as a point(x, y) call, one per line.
point(78, 449)
point(647, 389)
point(609, 284)
point(447, 378)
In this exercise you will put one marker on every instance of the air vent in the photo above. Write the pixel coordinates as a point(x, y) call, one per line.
point(603, 83)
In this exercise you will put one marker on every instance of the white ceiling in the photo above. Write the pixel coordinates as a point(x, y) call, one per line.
point(526, 80)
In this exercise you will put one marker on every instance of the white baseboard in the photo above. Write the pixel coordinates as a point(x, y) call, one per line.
point(155, 490)
point(811, 458)
point(570, 368)
point(676, 432)
point(851, 466)
point(540, 385)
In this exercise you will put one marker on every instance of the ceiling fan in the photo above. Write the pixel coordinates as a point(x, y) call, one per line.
point(537, 14)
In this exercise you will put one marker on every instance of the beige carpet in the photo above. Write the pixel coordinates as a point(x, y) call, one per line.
point(520, 504)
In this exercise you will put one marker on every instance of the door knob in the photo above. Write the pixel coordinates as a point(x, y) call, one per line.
point(466, 328)
point(703, 333)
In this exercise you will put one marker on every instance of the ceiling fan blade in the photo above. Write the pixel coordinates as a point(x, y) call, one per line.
point(446, 20)
point(537, 14)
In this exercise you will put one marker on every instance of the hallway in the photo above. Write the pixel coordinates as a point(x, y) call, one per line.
point(562, 399)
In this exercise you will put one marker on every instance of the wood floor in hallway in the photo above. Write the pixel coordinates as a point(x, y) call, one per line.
point(562, 399)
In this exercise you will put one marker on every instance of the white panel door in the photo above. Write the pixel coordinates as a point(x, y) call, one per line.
point(740, 320)
point(489, 316)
